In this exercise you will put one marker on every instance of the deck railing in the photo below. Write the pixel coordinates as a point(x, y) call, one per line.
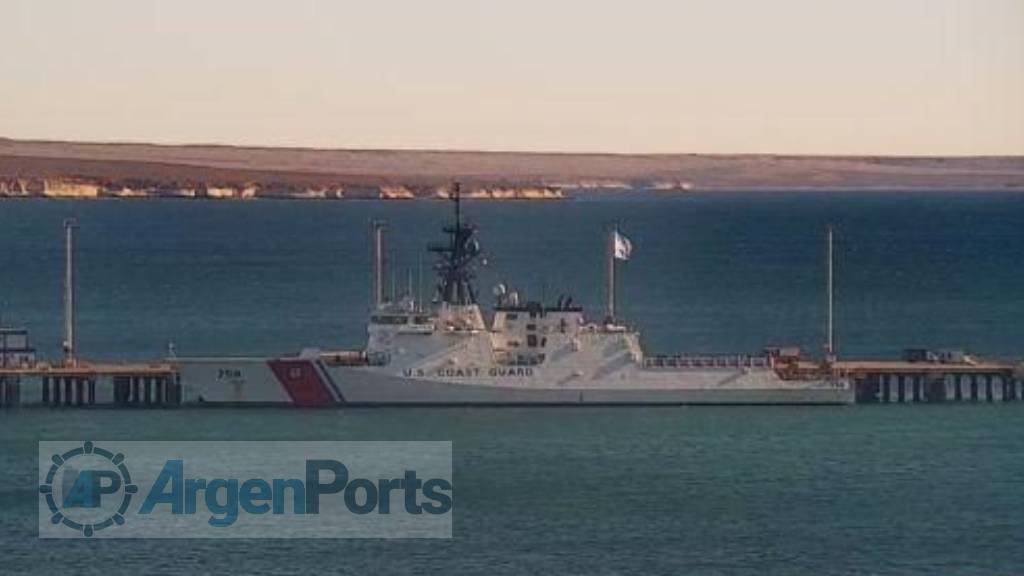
point(707, 361)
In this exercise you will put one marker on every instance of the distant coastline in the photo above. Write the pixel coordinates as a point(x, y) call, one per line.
point(31, 169)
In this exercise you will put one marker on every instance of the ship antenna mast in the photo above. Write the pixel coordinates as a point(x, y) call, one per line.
point(457, 198)
point(456, 256)
point(379, 226)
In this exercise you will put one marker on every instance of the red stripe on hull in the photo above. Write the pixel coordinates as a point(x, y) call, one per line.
point(301, 381)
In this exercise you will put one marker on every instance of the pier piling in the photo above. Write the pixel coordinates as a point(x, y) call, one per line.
point(885, 381)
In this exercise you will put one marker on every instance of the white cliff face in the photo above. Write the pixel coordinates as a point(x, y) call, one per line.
point(14, 188)
point(595, 185)
point(70, 189)
point(507, 193)
point(220, 193)
point(232, 192)
point(324, 193)
point(85, 188)
point(311, 194)
point(545, 193)
point(672, 186)
point(127, 192)
point(396, 193)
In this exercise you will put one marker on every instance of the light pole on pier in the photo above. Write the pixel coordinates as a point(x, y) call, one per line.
point(830, 329)
point(69, 291)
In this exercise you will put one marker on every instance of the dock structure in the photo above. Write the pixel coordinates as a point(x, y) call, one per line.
point(25, 381)
point(159, 385)
point(154, 385)
point(881, 381)
point(923, 376)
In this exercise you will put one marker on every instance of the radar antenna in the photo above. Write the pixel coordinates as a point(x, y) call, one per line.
point(456, 258)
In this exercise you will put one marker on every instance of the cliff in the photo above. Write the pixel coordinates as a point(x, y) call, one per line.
point(90, 188)
point(82, 170)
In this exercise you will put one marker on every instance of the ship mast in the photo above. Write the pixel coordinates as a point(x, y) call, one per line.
point(456, 258)
point(378, 263)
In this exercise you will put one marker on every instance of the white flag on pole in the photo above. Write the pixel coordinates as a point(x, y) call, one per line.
point(623, 247)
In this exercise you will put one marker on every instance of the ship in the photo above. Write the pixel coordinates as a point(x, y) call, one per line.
point(454, 352)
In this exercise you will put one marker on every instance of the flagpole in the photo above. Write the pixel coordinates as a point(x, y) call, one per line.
point(611, 275)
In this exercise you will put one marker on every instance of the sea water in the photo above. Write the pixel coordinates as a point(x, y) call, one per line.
point(743, 490)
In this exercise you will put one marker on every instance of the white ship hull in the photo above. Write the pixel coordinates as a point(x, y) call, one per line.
point(389, 390)
point(312, 383)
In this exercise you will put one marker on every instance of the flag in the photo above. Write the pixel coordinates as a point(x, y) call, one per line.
point(623, 247)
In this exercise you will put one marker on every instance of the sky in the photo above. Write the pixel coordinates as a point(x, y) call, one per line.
point(907, 77)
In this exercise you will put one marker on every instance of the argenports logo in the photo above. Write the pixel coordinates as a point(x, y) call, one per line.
point(245, 489)
point(87, 489)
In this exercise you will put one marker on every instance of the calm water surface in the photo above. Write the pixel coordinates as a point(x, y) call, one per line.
point(843, 490)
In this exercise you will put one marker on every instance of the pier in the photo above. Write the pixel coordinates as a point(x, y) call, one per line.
point(158, 385)
point(921, 376)
point(83, 385)
point(879, 381)
point(24, 380)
